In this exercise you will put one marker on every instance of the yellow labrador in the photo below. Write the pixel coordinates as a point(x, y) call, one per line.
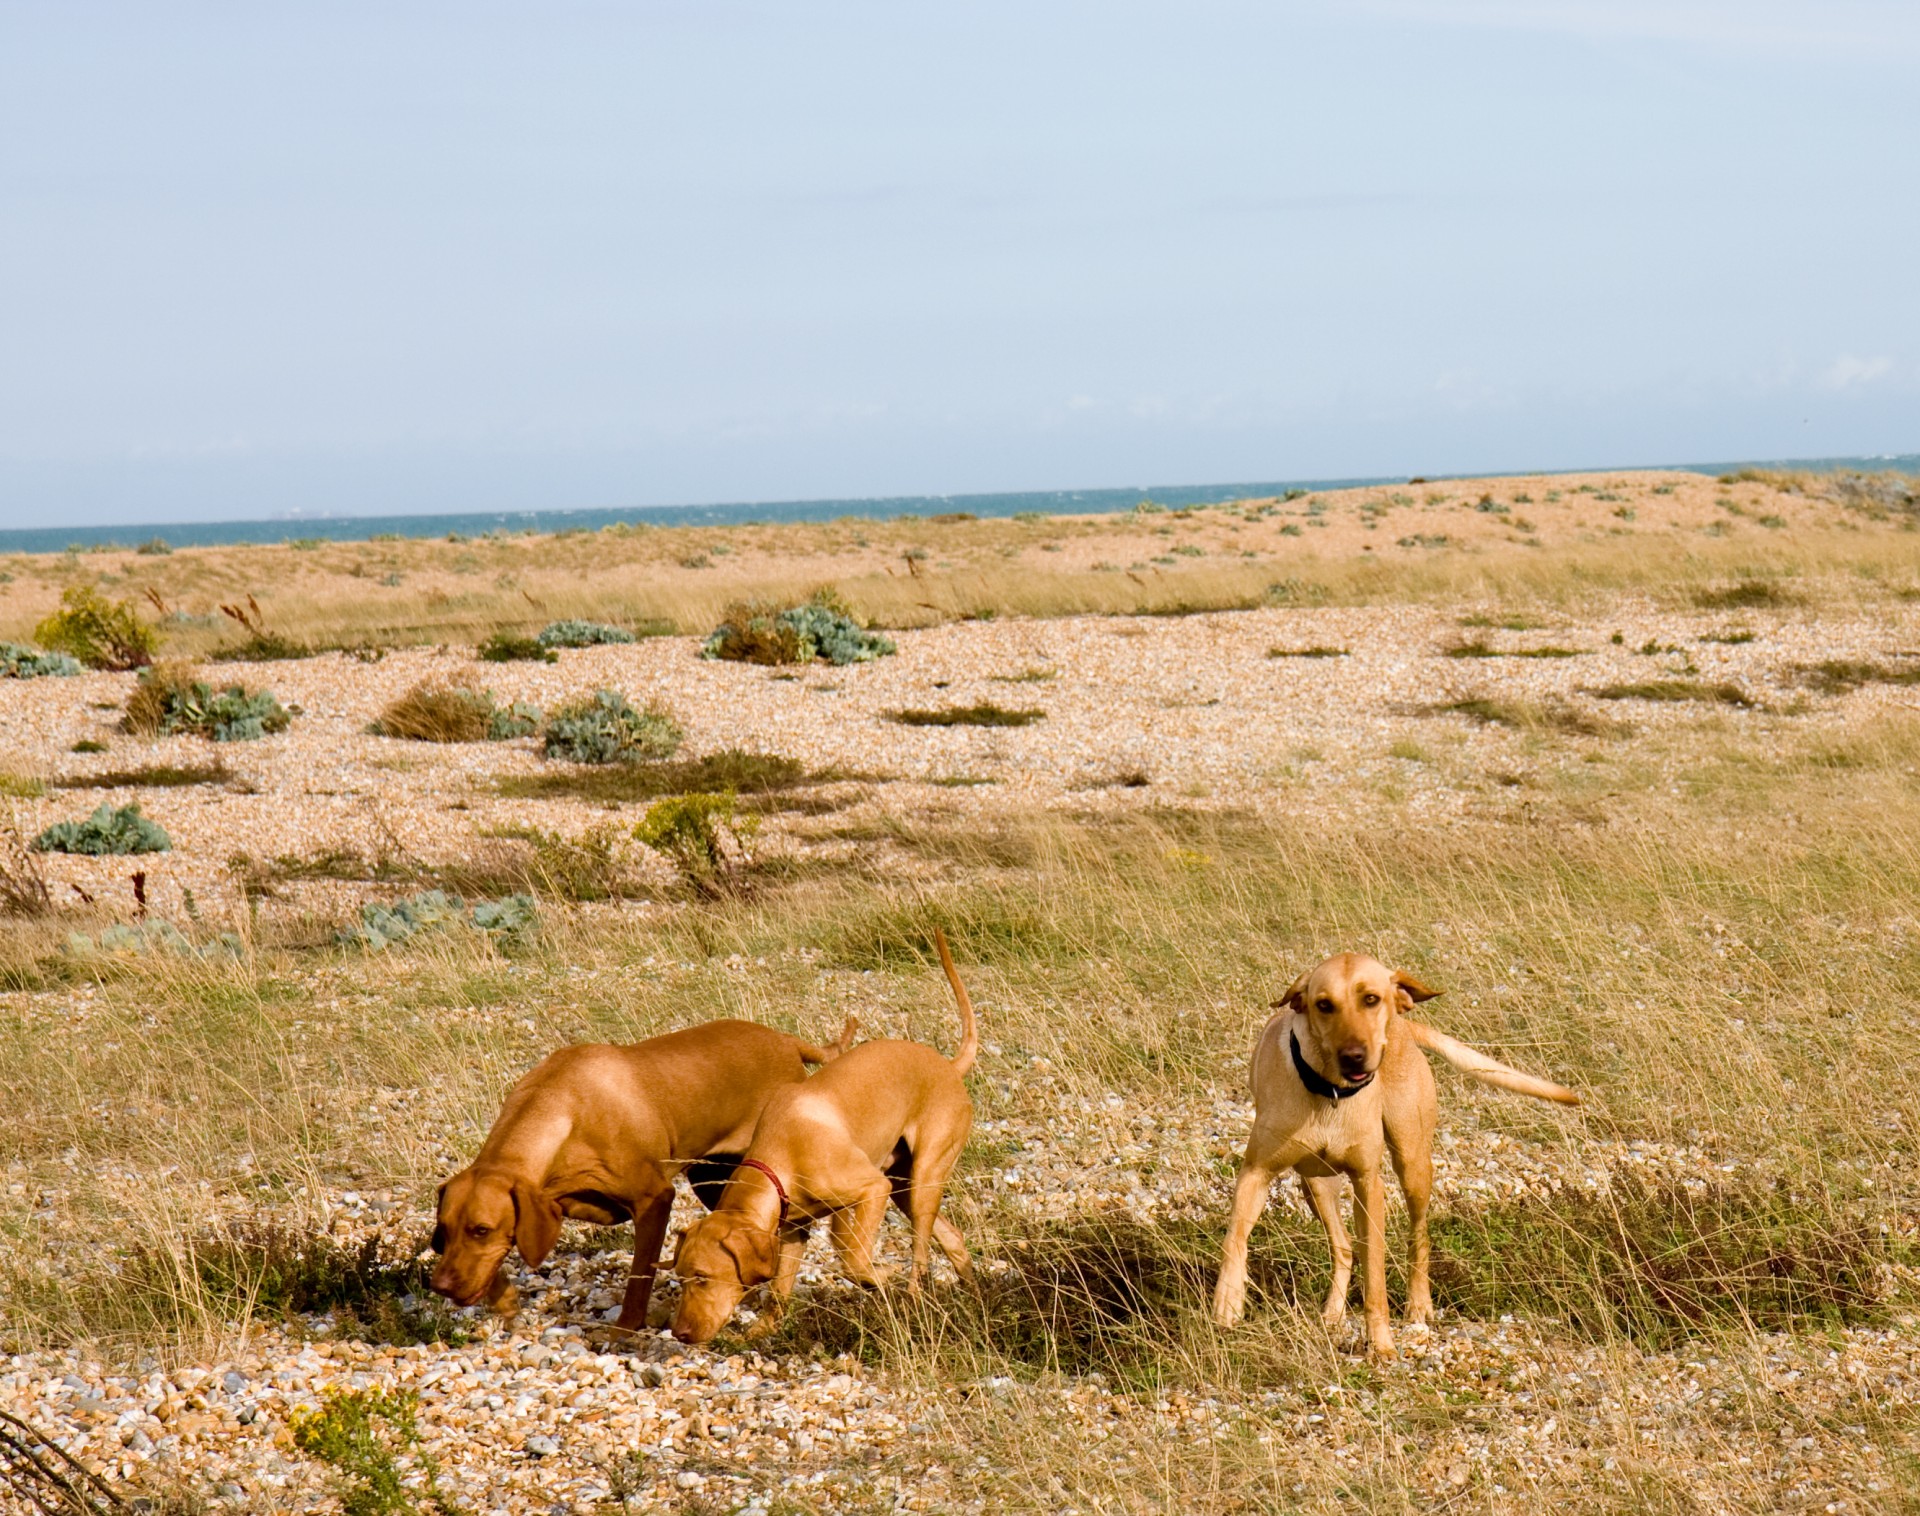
point(1337, 1077)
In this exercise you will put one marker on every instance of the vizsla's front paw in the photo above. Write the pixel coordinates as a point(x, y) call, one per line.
point(1380, 1345)
point(1229, 1302)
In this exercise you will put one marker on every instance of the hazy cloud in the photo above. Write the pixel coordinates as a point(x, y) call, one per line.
point(1846, 371)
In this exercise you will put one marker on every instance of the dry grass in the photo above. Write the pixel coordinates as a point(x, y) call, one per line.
point(1647, 925)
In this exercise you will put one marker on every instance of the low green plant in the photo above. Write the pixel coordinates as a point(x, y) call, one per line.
point(262, 645)
point(452, 713)
point(18, 661)
point(731, 769)
point(1840, 676)
point(1306, 652)
point(158, 776)
point(1748, 594)
point(1479, 647)
point(108, 831)
point(101, 633)
point(171, 699)
point(701, 834)
point(1670, 691)
point(510, 647)
point(368, 1437)
point(981, 713)
point(820, 630)
point(575, 633)
point(604, 728)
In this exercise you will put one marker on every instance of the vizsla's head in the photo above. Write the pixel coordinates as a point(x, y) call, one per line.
point(1345, 1005)
point(481, 1216)
point(720, 1259)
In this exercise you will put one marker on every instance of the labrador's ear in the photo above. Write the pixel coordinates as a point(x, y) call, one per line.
point(536, 1223)
point(1408, 990)
point(1295, 998)
point(439, 1243)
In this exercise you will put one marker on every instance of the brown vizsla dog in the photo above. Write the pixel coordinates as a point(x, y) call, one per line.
point(1337, 1076)
point(597, 1132)
point(883, 1122)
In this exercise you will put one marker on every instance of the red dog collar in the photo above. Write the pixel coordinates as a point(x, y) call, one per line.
point(778, 1189)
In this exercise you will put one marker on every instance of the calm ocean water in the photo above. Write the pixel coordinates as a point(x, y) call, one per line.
point(1047, 502)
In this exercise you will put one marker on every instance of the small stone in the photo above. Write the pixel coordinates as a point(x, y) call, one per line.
point(541, 1446)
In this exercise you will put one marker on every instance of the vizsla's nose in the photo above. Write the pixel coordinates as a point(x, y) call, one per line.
point(1353, 1062)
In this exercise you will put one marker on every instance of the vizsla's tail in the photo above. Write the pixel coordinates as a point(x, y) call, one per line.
point(969, 1033)
point(1487, 1070)
point(811, 1054)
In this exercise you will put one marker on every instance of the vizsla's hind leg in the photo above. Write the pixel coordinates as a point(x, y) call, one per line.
point(1323, 1195)
point(923, 1209)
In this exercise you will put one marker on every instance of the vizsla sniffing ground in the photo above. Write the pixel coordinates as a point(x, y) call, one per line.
point(883, 1122)
point(1337, 1076)
point(597, 1132)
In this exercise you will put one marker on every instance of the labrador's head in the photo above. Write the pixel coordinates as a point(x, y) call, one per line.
point(1345, 1005)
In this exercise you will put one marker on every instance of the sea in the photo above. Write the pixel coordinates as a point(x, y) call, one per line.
point(458, 524)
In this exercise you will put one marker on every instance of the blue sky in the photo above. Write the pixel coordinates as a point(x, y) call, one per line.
point(259, 258)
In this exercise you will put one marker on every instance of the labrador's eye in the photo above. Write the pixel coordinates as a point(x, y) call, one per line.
point(1324, 1006)
point(1372, 999)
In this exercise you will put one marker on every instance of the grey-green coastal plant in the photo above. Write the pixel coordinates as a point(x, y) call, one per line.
point(604, 728)
point(172, 700)
point(821, 629)
point(574, 633)
point(107, 831)
point(18, 661)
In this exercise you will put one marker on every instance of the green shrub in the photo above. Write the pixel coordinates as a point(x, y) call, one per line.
point(101, 633)
point(18, 661)
point(604, 728)
point(452, 713)
point(580, 634)
point(509, 647)
point(820, 630)
point(172, 700)
point(106, 831)
point(693, 832)
point(367, 1437)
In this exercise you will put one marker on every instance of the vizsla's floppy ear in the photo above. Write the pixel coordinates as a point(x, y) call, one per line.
point(1408, 990)
point(439, 1243)
point(752, 1252)
point(536, 1223)
point(1295, 997)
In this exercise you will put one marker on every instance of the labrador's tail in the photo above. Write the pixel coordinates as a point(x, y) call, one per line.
point(1487, 1070)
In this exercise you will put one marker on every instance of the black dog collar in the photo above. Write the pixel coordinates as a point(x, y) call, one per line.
point(1316, 1085)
